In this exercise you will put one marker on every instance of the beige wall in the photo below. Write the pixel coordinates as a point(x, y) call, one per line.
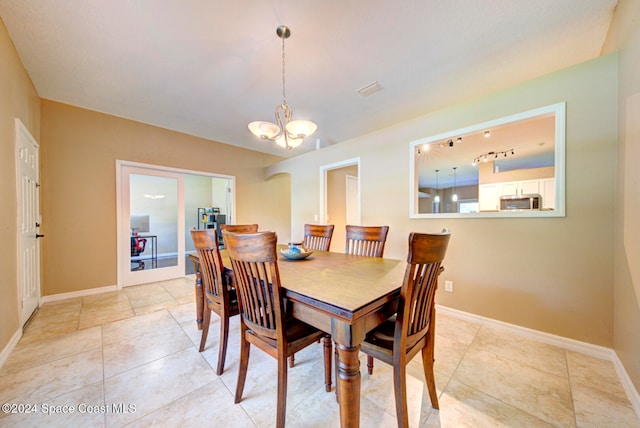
point(549, 274)
point(18, 98)
point(625, 35)
point(79, 151)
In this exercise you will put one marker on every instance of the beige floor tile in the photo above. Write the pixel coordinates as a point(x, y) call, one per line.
point(378, 388)
point(154, 385)
point(83, 407)
point(47, 350)
point(104, 299)
point(210, 352)
point(526, 351)
point(53, 319)
point(318, 409)
point(182, 289)
point(123, 352)
point(260, 391)
point(98, 315)
point(596, 408)
point(448, 355)
point(149, 298)
point(465, 407)
point(595, 373)
point(539, 393)
point(210, 405)
point(37, 384)
point(184, 313)
point(129, 329)
point(456, 329)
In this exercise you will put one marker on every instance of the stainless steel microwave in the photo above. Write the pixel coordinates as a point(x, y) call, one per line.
point(520, 202)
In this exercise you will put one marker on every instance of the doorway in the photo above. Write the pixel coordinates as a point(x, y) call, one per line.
point(28, 166)
point(340, 198)
point(152, 215)
point(157, 207)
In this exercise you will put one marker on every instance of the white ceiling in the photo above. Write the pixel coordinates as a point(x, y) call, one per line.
point(209, 67)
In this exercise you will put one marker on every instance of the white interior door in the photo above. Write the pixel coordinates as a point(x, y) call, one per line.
point(352, 205)
point(152, 235)
point(27, 164)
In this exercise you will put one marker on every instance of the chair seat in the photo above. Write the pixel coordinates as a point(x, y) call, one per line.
point(233, 299)
point(298, 335)
point(296, 329)
point(382, 335)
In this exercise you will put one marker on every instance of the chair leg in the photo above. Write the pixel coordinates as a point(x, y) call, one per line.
point(326, 343)
point(400, 392)
point(244, 363)
point(206, 319)
point(292, 360)
point(369, 364)
point(335, 364)
point(222, 347)
point(281, 412)
point(427, 363)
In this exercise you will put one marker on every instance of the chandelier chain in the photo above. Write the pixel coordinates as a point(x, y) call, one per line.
point(284, 98)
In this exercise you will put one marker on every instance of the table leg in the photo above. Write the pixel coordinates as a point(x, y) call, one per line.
point(349, 385)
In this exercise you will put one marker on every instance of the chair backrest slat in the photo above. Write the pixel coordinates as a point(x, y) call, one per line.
point(366, 241)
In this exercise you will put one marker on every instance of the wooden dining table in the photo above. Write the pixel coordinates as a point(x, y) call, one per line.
point(344, 295)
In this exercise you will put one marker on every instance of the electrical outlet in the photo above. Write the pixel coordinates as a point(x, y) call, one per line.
point(448, 286)
point(315, 217)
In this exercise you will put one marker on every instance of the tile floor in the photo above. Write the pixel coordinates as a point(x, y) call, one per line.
point(134, 352)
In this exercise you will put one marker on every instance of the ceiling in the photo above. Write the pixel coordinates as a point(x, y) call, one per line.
point(209, 67)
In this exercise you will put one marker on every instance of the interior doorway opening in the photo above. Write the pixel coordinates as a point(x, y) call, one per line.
point(340, 198)
point(157, 208)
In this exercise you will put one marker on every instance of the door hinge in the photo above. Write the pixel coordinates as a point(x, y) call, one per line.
point(37, 185)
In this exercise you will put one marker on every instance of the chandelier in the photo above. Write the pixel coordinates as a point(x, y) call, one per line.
point(286, 133)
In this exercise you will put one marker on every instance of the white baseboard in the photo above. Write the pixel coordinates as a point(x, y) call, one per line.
point(81, 293)
point(559, 341)
point(10, 346)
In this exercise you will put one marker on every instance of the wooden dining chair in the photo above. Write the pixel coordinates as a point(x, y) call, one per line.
point(318, 236)
point(366, 240)
point(219, 297)
point(240, 228)
point(397, 340)
point(264, 320)
point(248, 228)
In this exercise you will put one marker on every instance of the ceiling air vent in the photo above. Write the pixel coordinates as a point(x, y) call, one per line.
point(370, 89)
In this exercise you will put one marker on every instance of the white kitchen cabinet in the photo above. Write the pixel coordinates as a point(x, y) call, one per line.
point(548, 192)
point(488, 197)
point(508, 188)
point(529, 187)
